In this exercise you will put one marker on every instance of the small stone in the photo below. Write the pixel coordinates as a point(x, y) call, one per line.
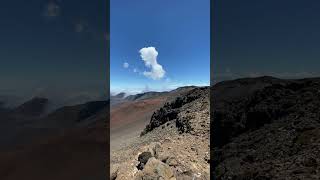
point(154, 148)
point(163, 157)
point(207, 157)
point(167, 140)
point(154, 169)
point(171, 161)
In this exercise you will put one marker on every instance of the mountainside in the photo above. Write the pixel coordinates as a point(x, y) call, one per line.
point(266, 128)
point(129, 117)
point(174, 143)
point(68, 143)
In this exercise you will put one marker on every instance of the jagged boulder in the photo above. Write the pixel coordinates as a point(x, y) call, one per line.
point(170, 111)
point(155, 170)
point(183, 124)
point(154, 148)
point(143, 159)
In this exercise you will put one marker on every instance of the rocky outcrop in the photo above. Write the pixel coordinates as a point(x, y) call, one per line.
point(270, 131)
point(143, 159)
point(171, 110)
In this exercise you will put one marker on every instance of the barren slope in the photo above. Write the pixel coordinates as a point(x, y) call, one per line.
point(129, 118)
point(266, 128)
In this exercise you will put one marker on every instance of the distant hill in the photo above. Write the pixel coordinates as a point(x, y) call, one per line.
point(13, 118)
point(152, 94)
point(30, 119)
point(145, 95)
point(34, 107)
point(10, 101)
point(118, 98)
point(120, 95)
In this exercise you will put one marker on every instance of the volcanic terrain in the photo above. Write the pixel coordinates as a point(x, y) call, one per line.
point(266, 128)
point(161, 136)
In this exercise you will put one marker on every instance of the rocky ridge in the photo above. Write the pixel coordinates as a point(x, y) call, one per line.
point(266, 128)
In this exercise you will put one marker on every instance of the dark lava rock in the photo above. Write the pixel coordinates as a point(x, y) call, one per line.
point(171, 110)
point(266, 128)
point(183, 125)
point(143, 159)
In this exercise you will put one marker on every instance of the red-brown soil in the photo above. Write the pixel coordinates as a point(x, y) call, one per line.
point(129, 112)
point(72, 154)
point(129, 118)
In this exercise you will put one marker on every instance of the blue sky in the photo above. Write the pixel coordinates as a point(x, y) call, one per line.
point(275, 38)
point(54, 49)
point(178, 30)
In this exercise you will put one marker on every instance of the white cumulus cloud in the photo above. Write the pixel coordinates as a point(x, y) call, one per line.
point(149, 56)
point(126, 65)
